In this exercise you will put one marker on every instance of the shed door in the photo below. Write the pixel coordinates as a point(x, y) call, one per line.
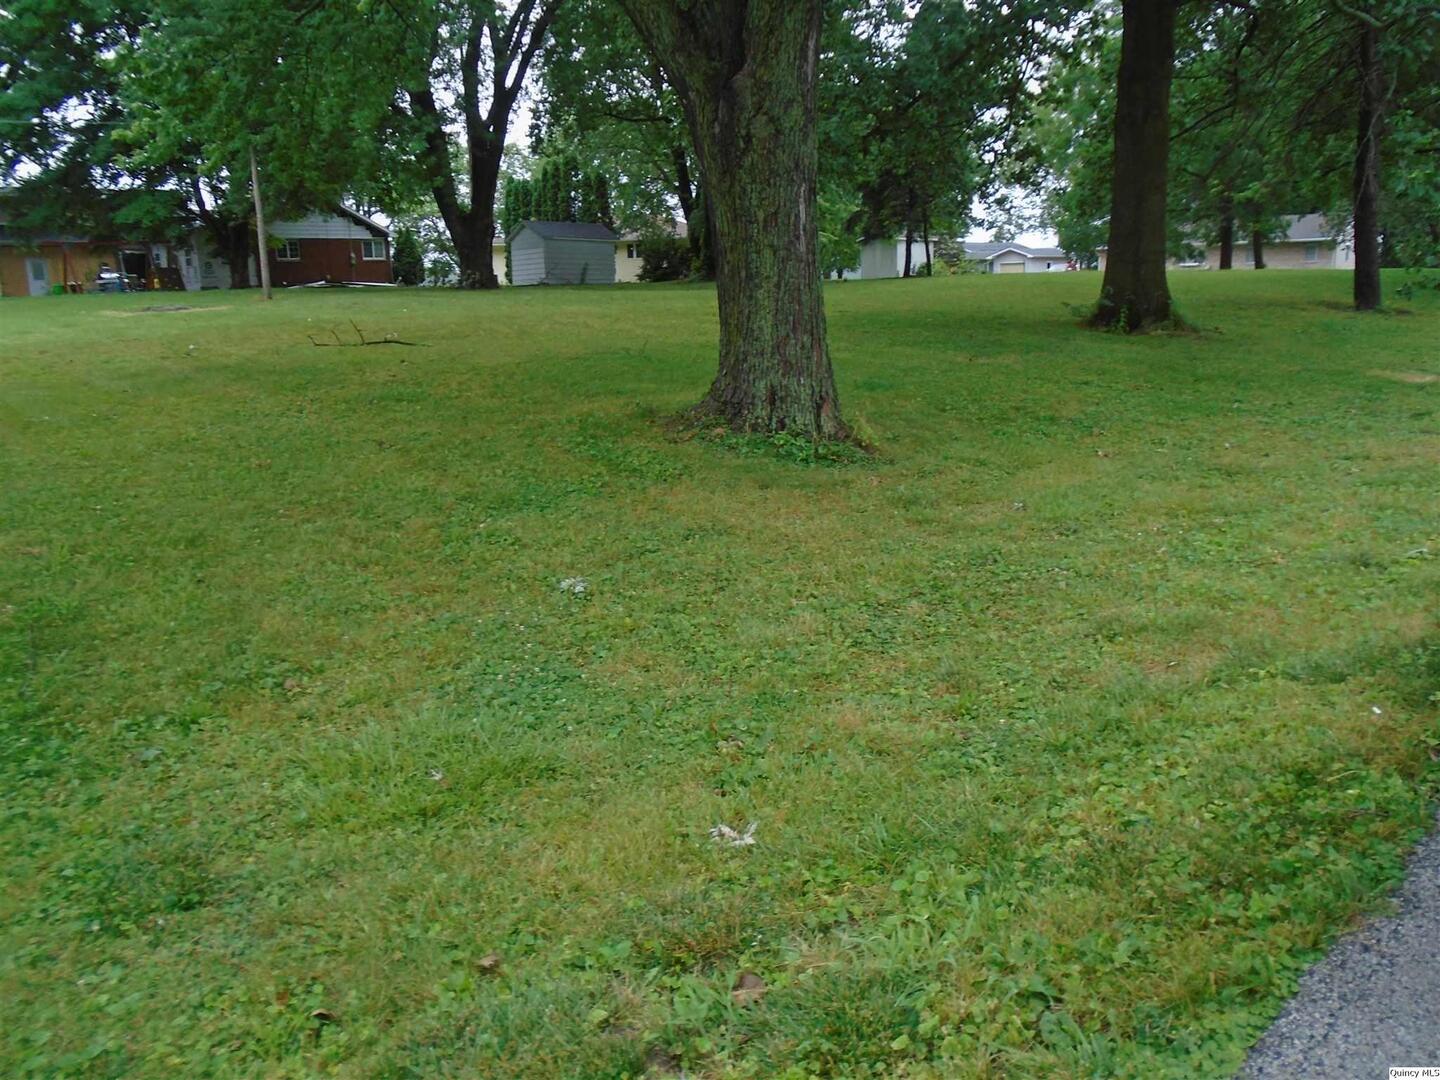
point(38, 273)
point(1014, 266)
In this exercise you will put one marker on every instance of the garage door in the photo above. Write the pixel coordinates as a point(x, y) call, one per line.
point(1016, 266)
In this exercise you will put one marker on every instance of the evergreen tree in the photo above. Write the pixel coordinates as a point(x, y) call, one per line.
point(592, 199)
point(603, 213)
point(570, 185)
point(408, 261)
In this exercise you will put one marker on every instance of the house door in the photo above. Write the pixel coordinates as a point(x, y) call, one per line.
point(37, 271)
point(135, 264)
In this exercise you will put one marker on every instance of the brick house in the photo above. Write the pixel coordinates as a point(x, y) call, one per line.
point(339, 245)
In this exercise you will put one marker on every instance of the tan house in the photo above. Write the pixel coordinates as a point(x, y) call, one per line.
point(627, 257)
point(1309, 242)
point(628, 260)
point(36, 265)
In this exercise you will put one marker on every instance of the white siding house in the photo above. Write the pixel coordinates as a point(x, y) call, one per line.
point(339, 226)
point(1011, 258)
point(562, 253)
point(1306, 242)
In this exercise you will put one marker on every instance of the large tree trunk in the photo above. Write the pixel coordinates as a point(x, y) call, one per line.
point(1135, 294)
point(471, 228)
point(474, 239)
point(746, 74)
point(1257, 248)
point(512, 38)
point(477, 262)
point(1367, 171)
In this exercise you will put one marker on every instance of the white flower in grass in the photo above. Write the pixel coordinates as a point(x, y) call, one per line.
point(575, 586)
point(725, 835)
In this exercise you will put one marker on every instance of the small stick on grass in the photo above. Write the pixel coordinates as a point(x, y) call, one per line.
point(388, 339)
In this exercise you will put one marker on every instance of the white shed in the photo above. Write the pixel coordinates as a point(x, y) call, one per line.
point(562, 253)
point(886, 258)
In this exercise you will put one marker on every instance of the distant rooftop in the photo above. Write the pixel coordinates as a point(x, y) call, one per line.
point(1307, 227)
point(989, 249)
point(677, 229)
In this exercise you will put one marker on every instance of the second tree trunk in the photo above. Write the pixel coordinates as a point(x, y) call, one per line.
point(1135, 294)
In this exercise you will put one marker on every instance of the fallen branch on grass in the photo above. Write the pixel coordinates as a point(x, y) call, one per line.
point(388, 339)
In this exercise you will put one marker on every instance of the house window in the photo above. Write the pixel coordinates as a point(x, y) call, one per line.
point(1312, 252)
point(632, 251)
point(289, 251)
point(372, 249)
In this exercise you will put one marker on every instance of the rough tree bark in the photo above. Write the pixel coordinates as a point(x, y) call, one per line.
point(511, 41)
point(745, 71)
point(1135, 294)
point(1366, 193)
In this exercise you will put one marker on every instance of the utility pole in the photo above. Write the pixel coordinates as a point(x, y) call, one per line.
point(262, 248)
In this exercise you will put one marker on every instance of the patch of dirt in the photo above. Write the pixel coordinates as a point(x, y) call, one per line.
point(162, 308)
point(1414, 377)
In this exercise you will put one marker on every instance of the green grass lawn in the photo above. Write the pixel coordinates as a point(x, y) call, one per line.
point(1073, 724)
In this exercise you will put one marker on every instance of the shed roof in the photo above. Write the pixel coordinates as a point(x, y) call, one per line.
point(571, 230)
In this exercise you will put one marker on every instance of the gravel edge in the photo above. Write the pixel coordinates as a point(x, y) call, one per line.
point(1373, 1001)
